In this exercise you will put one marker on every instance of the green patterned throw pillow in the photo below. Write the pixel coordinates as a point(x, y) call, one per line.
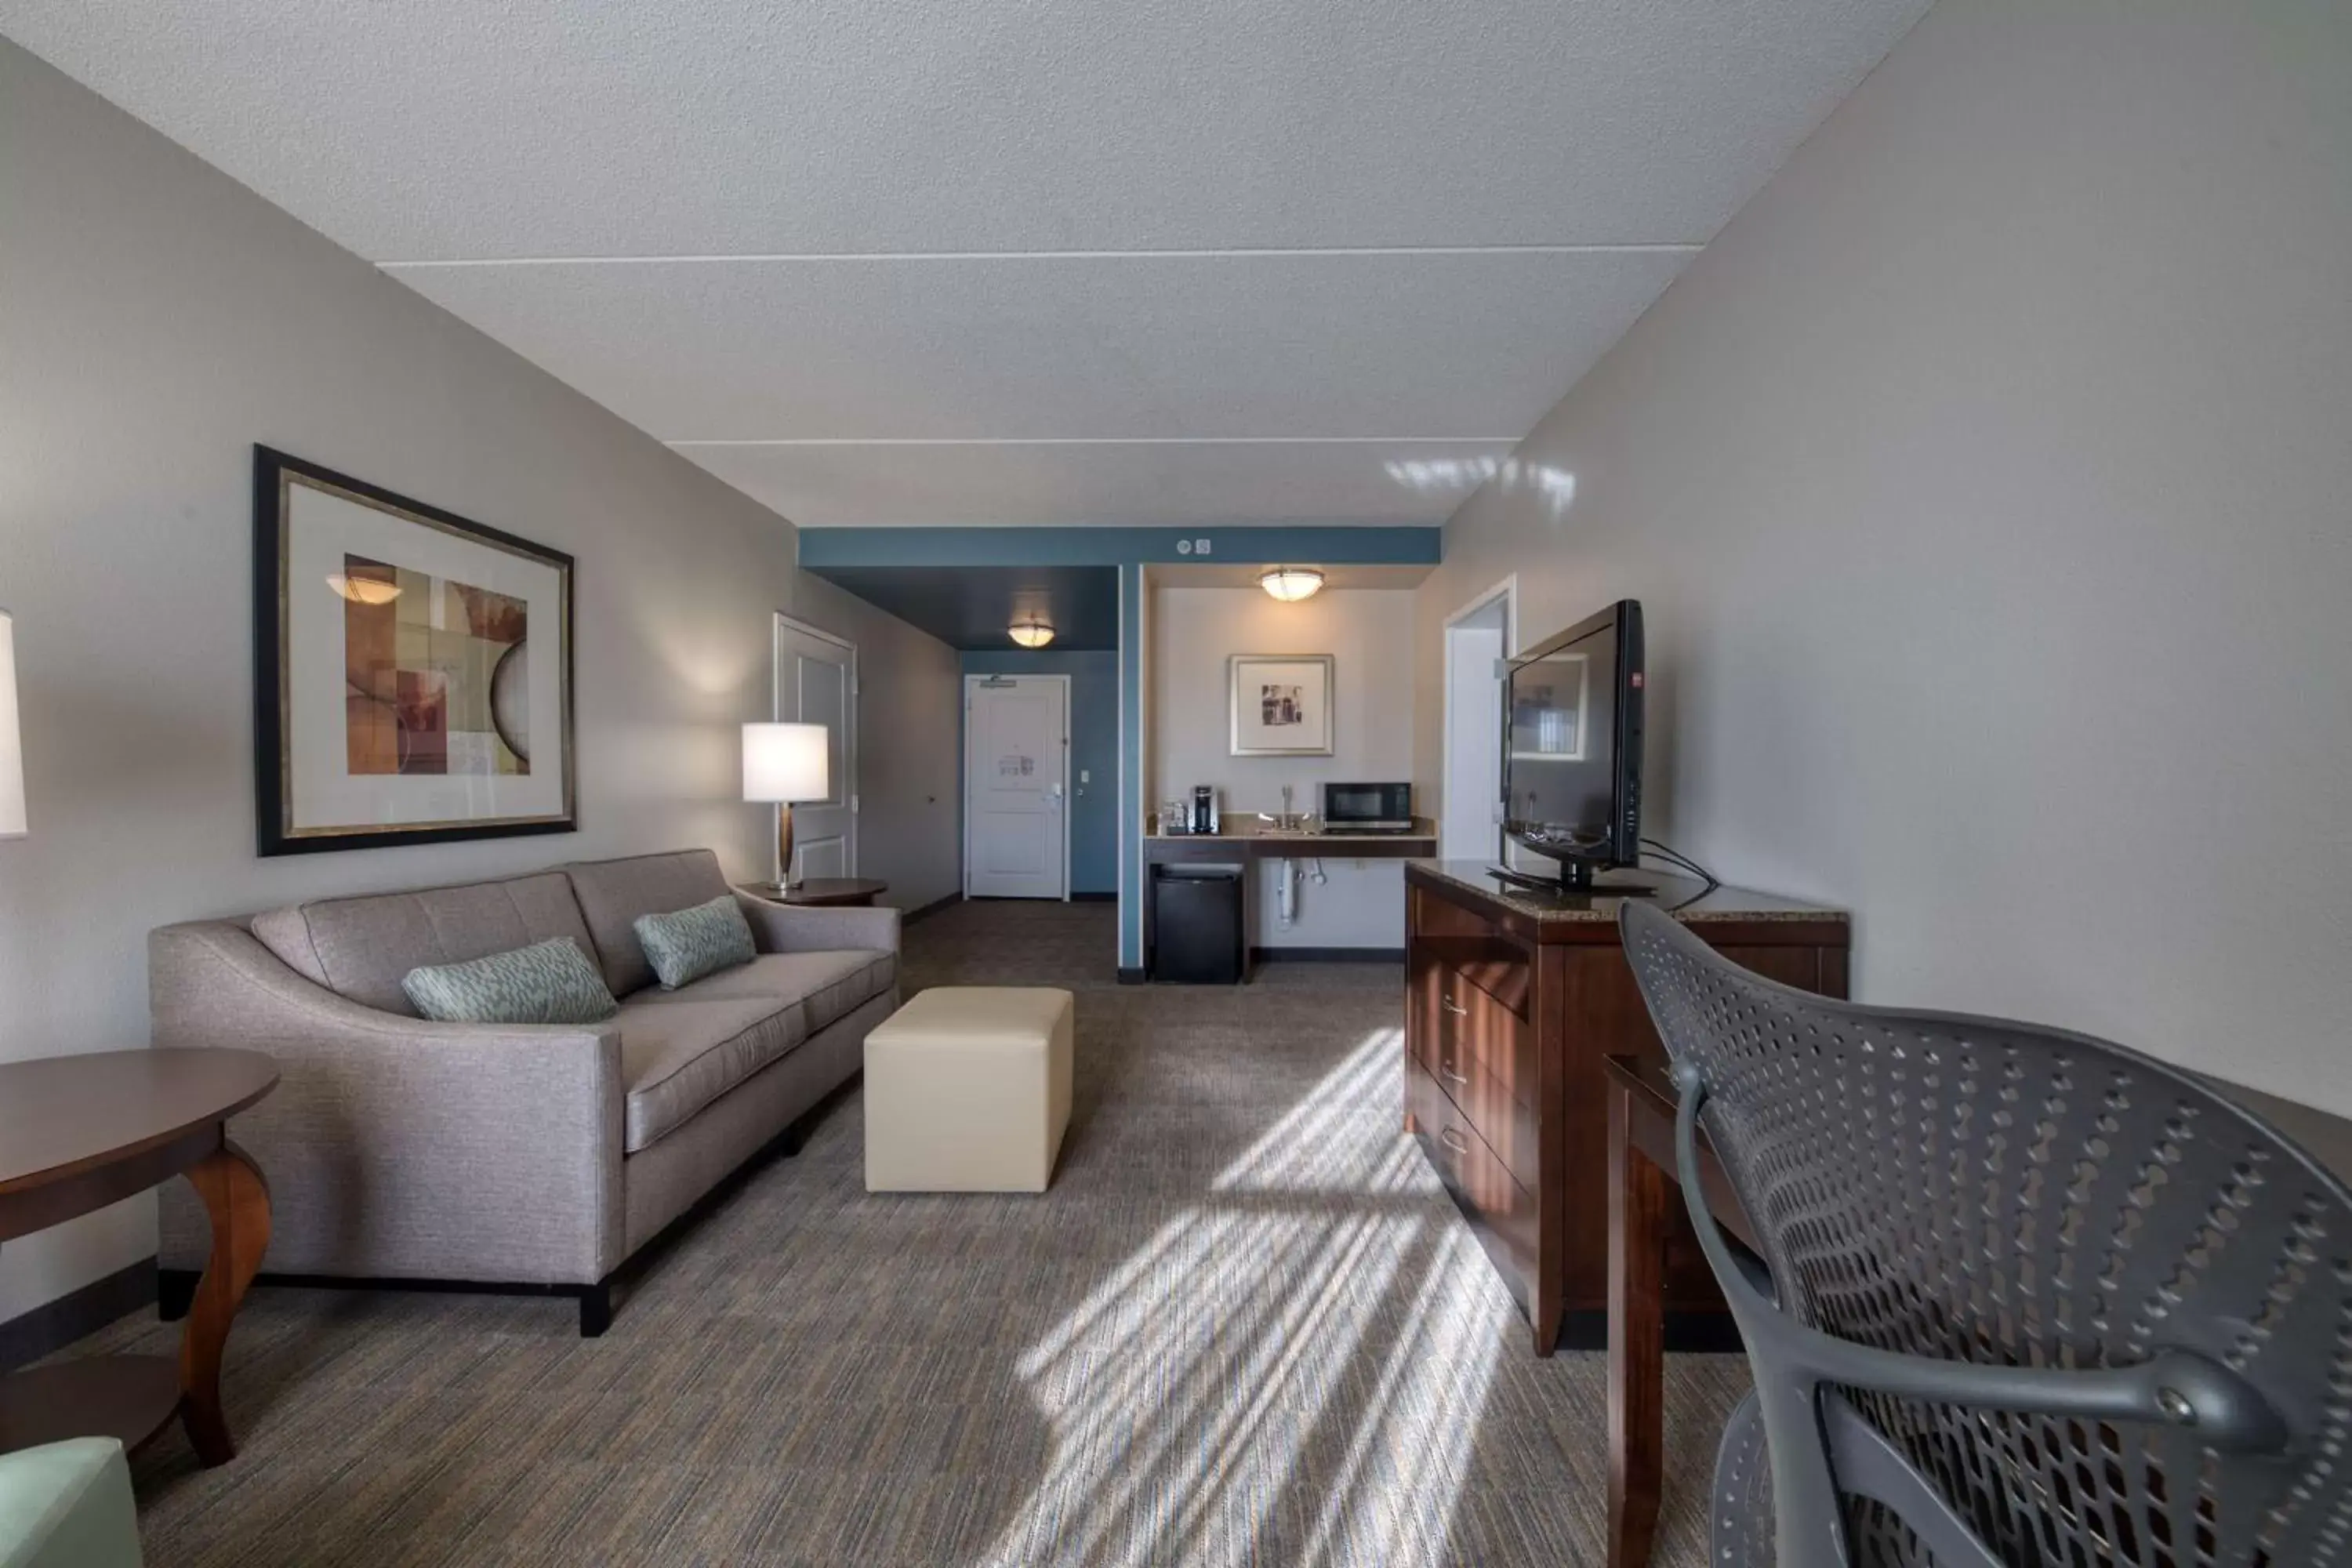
point(548, 981)
point(685, 946)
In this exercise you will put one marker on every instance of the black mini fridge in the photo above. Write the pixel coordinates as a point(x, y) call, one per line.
point(1196, 920)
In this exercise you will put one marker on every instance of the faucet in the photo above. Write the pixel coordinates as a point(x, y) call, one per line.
point(1285, 805)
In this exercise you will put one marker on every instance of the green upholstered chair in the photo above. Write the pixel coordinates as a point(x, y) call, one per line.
point(67, 1505)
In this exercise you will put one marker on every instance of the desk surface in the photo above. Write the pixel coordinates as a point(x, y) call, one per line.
point(2326, 1137)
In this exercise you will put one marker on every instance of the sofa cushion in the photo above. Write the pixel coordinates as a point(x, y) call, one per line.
point(685, 946)
point(360, 947)
point(827, 985)
point(552, 982)
point(682, 1049)
point(614, 893)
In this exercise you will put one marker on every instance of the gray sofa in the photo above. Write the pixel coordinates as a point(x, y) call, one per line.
point(544, 1156)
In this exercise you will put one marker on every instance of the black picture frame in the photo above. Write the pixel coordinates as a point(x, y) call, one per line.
point(273, 473)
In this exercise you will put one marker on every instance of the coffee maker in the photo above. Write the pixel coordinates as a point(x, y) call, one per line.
point(1205, 809)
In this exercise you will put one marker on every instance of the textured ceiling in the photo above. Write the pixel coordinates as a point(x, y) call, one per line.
point(1357, 235)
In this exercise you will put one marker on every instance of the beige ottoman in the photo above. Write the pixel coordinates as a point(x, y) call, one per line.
point(968, 1090)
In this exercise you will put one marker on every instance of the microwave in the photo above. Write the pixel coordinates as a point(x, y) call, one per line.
point(1367, 808)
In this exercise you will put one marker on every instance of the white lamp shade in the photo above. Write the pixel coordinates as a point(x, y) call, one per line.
point(786, 762)
point(12, 747)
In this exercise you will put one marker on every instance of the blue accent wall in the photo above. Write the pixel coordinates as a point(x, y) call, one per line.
point(1130, 766)
point(1093, 749)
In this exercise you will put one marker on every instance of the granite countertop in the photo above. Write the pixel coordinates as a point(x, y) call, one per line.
point(1678, 896)
point(1238, 826)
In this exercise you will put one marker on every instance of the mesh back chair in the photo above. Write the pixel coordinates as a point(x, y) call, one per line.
point(2026, 1298)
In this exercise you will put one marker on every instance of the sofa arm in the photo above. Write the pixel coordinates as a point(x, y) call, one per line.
point(799, 928)
point(394, 1147)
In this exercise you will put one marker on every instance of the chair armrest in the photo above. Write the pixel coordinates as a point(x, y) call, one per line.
point(798, 928)
point(397, 1147)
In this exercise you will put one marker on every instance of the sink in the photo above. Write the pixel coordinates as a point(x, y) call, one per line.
point(1284, 825)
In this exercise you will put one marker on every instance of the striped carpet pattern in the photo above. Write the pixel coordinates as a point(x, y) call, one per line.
point(1246, 1326)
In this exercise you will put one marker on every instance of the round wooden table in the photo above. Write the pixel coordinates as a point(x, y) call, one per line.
point(77, 1133)
point(822, 890)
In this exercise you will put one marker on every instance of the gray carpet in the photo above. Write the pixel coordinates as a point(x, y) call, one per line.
point(1246, 1326)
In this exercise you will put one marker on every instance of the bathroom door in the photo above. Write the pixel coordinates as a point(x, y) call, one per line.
point(1016, 759)
point(816, 683)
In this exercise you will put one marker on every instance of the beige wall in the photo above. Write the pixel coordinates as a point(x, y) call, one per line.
point(156, 320)
point(1193, 632)
point(1988, 483)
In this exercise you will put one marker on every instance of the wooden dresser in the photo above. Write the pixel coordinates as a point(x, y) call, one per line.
point(1513, 999)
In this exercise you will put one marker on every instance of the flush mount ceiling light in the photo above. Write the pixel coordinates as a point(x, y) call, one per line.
point(1030, 633)
point(364, 590)
point(1291, 583)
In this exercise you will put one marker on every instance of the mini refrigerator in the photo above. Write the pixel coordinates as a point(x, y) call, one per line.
point(1196, 920)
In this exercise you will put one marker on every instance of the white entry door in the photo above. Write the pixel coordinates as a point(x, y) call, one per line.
point(816, 683)
point(1016, 759)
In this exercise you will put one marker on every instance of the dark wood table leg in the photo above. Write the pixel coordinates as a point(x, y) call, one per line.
point(1637, 1355)
point(236, 1199)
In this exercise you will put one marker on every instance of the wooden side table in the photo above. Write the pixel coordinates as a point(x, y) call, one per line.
point(77, 1133)
point(821, 892)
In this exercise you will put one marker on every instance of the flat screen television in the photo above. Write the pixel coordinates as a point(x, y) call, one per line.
point(1572, 747)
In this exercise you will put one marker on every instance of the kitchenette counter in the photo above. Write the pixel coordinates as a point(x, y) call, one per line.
point(1243, 838)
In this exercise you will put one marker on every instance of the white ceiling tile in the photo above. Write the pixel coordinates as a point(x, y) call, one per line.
point(760, 135)
point(1128, 485)
point(1463, 344)
point(451, 128)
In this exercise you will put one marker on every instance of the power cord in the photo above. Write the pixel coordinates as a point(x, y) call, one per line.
point(1677, 859)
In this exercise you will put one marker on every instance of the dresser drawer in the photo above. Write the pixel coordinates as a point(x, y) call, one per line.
point(1502, 1211)
point(1481, 953)
point(1476, 1030)
point(1505, 1124)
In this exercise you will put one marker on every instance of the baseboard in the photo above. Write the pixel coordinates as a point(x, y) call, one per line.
point(1131, 976)
point(908, 917)
point(1093, 898)
point(53, 1325)
point(1327, 955)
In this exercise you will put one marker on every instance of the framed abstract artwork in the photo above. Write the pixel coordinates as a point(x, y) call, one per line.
point(1281, 704)
point(412, 669)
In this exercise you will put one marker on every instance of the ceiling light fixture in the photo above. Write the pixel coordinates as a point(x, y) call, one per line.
point(1291, 583)
point(364, 590)
point(1030, 633)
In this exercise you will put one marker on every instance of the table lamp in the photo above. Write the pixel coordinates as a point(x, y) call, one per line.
point(785, 763)
point(12, 747)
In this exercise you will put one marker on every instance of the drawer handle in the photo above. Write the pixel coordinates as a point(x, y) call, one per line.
point(1450, 1006)
point(1452, 1140)
point(1447, 1068)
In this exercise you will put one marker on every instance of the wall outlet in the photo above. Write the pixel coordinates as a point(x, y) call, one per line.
point(1199, 547)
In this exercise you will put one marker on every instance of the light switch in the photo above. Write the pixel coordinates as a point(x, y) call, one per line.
point(1199, 547)
point(1085, 776)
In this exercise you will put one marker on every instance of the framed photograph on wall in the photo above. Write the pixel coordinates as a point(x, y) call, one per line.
point(1282, 704)
point(412, 669)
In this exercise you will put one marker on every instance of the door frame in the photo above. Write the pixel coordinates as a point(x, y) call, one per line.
point(847, 788)
point(972, 681)
point(1508, 593)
